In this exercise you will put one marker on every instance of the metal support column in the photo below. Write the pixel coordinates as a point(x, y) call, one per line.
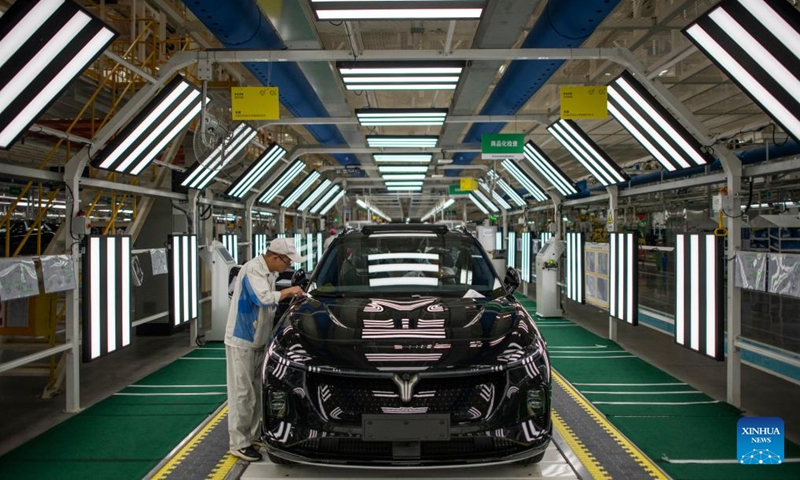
point(72, 176)
point(191, 208)
point(733, 300)
point(282, 221)
point(247, 218)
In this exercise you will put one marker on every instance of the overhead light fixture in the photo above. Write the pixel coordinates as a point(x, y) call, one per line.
point(485, 200)
point(283, 179)
point(231, 243)
point(402, 168)
point(755, 42)
point(403, 176)
point(395, 158)
point(404, 188)
point(402, 117)
point(525, 254)
point(256, 171)
point(300, 189)
point(136, 145)
point(580, 146)
point(314, 195)
point(699, 293)
point(46, 44)
point(332, 202)
point(478, 204)
point(202, 172)
point(320, 246)
point(496, 196)
point(438, 209)
point(548, 169)
point(410, 183)
point(182, 258)
point(407, 9)
point(325, 198)
point(401, 75)
point(653, 126)
point(106, 295)
point(575, 267)
point(623, 277)
point(524, 180)
point(512, 194)
point(371, 209)
point(402, 141)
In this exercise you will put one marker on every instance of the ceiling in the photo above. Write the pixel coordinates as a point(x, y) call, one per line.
point(651, 29)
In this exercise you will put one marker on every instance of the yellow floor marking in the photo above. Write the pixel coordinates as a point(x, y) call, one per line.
point(223, 468)
point(184, 452)
point(612, 431)
point(591, 464)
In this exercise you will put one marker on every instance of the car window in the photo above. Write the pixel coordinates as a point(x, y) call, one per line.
point(418, 263)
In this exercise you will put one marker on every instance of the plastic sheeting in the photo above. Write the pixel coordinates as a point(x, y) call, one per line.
point(784, 274)
point(751, 270)
point(158, 259)
point(58, 272)
point(18, 278)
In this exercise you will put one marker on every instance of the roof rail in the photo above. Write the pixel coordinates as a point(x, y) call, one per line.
point(404, 227)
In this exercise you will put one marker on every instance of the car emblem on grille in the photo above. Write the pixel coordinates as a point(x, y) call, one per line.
point(406, 384)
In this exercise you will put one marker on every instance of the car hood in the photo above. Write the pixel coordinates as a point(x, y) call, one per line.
point(405, 334)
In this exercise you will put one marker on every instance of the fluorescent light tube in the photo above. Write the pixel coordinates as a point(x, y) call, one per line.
point(284, 178)
point(300, 189)
point(332, 202)
point(325, 198)
point(314, 194)
point(256, 171)
point(548, 169)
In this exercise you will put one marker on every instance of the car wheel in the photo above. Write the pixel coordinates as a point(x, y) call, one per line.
point(278, 460)
point(528, 461)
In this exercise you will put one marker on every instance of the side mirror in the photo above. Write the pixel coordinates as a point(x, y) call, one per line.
point(300, 278)
point(512, 280)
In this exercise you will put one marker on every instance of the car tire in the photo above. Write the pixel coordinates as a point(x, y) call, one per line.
point(528, 461)
point(278, 460)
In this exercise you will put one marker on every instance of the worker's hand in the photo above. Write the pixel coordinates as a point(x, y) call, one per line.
point(291, 292)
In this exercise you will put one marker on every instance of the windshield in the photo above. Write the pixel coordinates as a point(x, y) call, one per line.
point(406, 263)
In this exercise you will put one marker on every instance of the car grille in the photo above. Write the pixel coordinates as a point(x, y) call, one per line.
point(457, 449)
point(466, 398)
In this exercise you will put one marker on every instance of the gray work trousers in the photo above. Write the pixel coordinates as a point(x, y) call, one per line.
point(244, 395)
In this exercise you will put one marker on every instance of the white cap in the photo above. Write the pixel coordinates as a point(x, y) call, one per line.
point(285, 246)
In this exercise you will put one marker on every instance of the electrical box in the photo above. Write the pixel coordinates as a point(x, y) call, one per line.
point(722, 202)
point(80, 226)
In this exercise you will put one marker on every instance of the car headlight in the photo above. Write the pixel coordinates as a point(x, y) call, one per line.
point(536, 401)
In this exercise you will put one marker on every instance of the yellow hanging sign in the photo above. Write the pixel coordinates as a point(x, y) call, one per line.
point(255, 103)
point(582, 102)
point(468, 184)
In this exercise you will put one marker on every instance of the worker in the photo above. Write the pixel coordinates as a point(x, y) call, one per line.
point(249, 327)
point(329, 240)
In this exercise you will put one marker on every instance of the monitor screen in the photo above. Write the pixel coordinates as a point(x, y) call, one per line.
point(223, 252)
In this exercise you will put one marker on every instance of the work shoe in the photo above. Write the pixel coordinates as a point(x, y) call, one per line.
point(249, 454)
point(260, 444)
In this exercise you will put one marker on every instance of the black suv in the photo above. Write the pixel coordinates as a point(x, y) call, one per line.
point(408, 350)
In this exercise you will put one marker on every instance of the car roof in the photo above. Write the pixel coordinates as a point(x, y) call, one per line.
point(410, 228)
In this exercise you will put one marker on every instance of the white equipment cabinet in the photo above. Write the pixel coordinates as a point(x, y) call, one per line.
point(220, 261)
point(547, 291)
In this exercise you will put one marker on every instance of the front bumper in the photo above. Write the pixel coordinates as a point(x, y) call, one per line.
point(488, 422)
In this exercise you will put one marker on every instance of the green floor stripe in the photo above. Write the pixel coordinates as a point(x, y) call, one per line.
point(124, 437)
point(679, 432)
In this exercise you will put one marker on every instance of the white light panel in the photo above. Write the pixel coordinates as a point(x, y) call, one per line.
point(623, 277)
point(575, 267)
point(332, 202)
point(496, 196)
point(512, 194)
point(300, 189)
point(106, 295)
point(548, 169)
point(525, 256)
point(283, 179)
point(402, 141)
point(204, 171)
point(699, 294)
point(580, 146)
point(138, 143)
point(259, 244)
point(50, 43)
point(375, 117)
point(182, 258)
point(309, 200)
point(756, 43)
point(328, 10)
point(231, 243)
point(256, 171)
point(325, 198)
point(527, 182)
